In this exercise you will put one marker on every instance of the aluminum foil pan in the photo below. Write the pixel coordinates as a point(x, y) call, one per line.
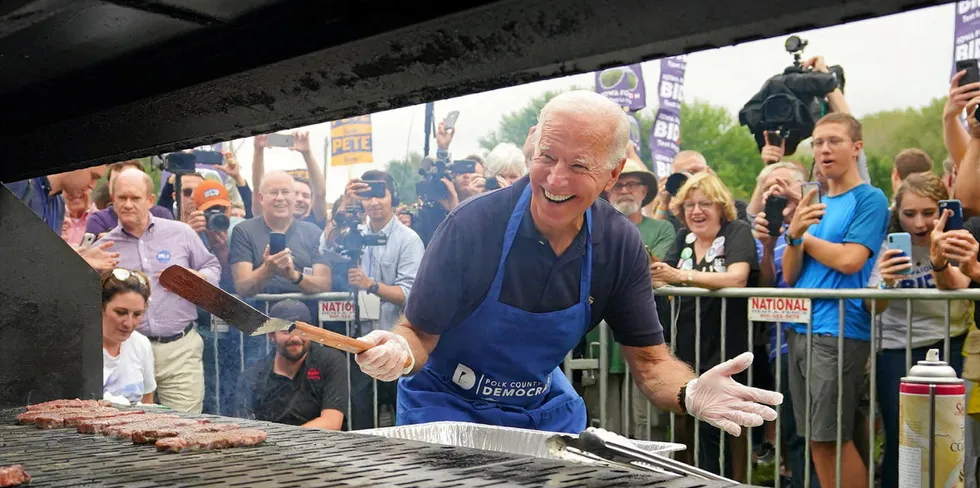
point(510, 440)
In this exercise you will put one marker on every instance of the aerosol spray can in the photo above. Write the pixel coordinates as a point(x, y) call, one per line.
point(932, 403)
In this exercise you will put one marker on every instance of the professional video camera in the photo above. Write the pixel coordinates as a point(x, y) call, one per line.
point(431, 188)
point(789, 104)
point(350, 241)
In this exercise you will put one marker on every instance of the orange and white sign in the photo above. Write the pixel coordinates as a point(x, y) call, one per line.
point(768, 309)
point(337, 311)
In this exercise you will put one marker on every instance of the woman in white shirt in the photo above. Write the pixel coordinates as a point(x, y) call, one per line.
point(127, 359)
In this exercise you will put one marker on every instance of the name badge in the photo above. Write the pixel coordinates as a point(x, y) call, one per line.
point(370, 305)
point(307, 271)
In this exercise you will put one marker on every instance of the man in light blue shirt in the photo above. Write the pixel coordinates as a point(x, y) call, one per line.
point(386, 272)
point(832, 244)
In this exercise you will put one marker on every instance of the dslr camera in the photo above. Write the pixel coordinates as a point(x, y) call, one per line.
point(431, 188)
point(216, 219)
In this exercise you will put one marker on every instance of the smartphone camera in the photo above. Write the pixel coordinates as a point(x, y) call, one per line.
point(674, 183)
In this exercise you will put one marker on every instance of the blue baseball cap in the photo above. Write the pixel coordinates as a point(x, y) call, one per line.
point(291, 310)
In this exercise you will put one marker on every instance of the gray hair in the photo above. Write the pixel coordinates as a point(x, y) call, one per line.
point(145, 177)
point(598, 108)
point(505, 156)
point(793, 168)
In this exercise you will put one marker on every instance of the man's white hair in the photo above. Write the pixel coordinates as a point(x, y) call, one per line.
point(601, 110)
point(793, 168)
point(505, 156)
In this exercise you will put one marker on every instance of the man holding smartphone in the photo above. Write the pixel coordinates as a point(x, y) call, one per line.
point(832, 244)
point(299, 268)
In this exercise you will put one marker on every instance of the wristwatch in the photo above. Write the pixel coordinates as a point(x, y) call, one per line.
point(793, 241)
point(298, 280)
point(373, 289)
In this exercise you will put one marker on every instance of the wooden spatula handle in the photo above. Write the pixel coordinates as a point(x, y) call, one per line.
point(334, 340)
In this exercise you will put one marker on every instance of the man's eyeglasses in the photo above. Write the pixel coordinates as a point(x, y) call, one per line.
point(630, 186)
point(833, 142)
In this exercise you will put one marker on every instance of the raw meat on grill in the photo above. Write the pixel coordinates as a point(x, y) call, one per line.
point(28, 417)
point(13, 475)
point(216, 440)
point(151, 435)
point(98, 426)
point(76, 403)
point(126, 431)
point(54, 420)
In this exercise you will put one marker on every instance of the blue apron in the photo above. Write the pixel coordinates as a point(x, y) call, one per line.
point(500, 365)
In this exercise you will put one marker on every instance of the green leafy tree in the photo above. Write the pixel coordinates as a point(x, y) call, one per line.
point(514, 126)
point(405, 172)
point(728, 147)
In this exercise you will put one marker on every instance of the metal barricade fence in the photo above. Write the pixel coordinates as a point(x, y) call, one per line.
point(244, 360)
point(909, 295)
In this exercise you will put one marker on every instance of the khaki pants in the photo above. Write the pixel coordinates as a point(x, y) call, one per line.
point(179, 371)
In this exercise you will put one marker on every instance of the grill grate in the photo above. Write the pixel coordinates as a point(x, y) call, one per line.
point(292, 456)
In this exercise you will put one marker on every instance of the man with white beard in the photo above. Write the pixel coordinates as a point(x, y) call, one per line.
point(637, 186)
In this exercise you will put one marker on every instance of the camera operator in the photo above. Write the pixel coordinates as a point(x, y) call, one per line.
point(685, 164)
point(444, 185)
point(189, 181)
point(212, 220)
point(386, 273)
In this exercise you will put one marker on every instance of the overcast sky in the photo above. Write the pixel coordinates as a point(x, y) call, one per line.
point(890, 62)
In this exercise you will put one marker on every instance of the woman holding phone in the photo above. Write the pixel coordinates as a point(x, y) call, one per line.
point(714, 250)
point(914, 220)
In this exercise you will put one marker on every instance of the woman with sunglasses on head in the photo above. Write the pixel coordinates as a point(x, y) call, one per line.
point(127, 359)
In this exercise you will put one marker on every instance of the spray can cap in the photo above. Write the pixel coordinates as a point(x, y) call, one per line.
point(933, 369)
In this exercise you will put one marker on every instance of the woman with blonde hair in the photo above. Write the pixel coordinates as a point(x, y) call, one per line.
point(714, 250)
point(915, 212)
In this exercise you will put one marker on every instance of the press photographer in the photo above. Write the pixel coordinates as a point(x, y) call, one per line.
point(212, 220)
point(445, 183)
point(384, 260)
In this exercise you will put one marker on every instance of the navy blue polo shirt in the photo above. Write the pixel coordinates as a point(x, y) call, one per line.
point(461, 260)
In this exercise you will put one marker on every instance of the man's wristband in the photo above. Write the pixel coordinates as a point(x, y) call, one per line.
point(373, 289)
point(298, 280)
point(793, 241)
point(682, 399)
point(938, 269)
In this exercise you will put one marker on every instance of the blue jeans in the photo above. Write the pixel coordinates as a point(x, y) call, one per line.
point(790, 436)
point(891, 368)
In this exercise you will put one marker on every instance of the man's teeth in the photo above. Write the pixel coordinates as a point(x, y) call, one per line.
point(556, 197)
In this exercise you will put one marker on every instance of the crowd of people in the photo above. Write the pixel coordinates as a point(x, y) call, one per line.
point(286, 238)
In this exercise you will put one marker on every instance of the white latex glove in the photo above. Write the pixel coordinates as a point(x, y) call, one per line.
point(724, 403)
point(386, 360)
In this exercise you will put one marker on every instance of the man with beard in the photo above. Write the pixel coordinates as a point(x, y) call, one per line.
point(300, 383)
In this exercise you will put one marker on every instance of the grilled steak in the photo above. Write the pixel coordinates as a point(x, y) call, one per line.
point(94, 426)
point(28, 417)
point(13, 475)
point(126, 431)
point(216, 440)
point(151, 435)
point(76, 403)
point(57, 419)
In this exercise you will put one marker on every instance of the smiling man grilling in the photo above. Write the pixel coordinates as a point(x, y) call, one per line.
point(485, 337)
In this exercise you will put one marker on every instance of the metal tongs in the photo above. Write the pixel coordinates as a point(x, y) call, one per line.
point(609, 448)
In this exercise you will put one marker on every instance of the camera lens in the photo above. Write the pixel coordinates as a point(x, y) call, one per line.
point(793, 44)
point(217, 222)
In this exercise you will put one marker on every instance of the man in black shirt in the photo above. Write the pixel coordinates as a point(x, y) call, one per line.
point(301, 383)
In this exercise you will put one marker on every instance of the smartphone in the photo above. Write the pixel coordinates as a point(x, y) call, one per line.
point(972, 71)
point(806, 189)
point(463, 166)
point(902, 241)
point(277, 243)
point(775, 205)
point(180, 162)
point(674, 183)
point(492, 184)
point(209, 157)
point(955, 221)
point(279, 140)
point(376, 190)
point(87, 240)
point(450, 120)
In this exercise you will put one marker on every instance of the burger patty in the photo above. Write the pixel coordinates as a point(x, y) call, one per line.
point(215, 440)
